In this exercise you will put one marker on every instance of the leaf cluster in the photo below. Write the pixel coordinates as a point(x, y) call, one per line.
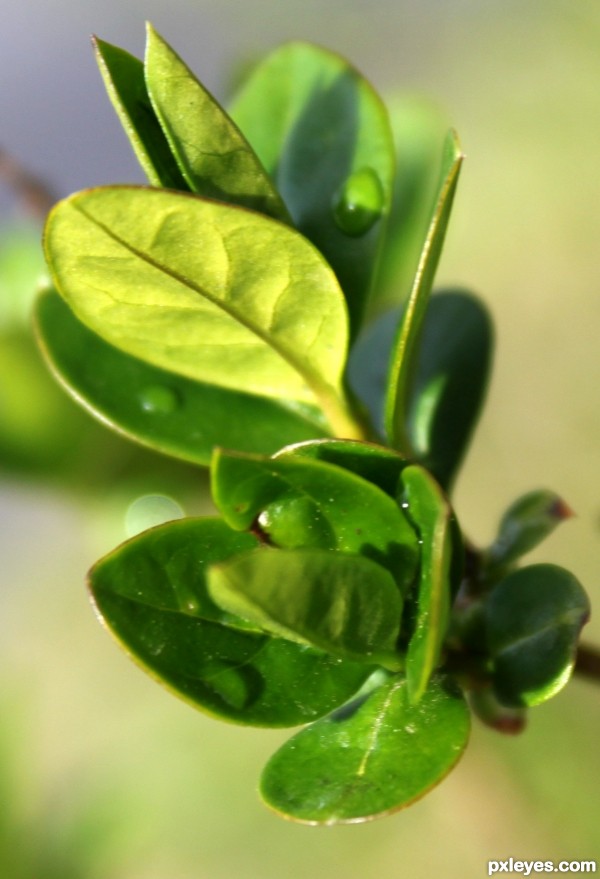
point(232, 314)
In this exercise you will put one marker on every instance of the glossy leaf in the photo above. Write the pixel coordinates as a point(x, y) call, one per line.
point(344, 604)
point(213, 155)
point(324, 135)
point(430, 512)
point(419, 128)
point(405, 348)
point(450, 381)
point(533, 619)
point(160, 409)
point(151, 594)
point(370, 758)
point(452, 368)
point(303, 503)
point(528, 521)
point(123, 77)
point(376, 464)
point(212, 292)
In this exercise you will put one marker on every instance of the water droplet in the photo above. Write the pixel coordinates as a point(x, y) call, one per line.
point(159, 399)
point(358, 204)
point(150, 510)
point(405, 505)
point(265, 520)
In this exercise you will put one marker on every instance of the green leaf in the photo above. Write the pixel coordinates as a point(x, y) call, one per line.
point(376, 464)
point(344, 604)
point(533, 619)
point(303, 503)
point(419, 127)
point(370, 758)
point(406, 344)
point(151, 594)
point(528, 521)
point(160, 409)
point(451, 376)
point(213, 155)
point(452, 368)
point(324, 135)
point(212, 292)
point(430, 512)
point(123, 77)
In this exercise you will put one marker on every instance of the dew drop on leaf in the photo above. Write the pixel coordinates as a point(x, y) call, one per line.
point(150, 510)
point(358, 204)
point(159, 400)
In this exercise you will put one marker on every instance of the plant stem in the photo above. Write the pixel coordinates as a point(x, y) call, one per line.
point(33, 194)
point(587, 663)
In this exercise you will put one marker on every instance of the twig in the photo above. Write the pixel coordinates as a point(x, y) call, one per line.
point(587, 663)
point(33, 194)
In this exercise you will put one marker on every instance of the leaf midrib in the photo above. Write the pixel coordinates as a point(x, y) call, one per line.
point(316, 384)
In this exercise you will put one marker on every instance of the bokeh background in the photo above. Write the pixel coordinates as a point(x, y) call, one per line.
point(102, 774)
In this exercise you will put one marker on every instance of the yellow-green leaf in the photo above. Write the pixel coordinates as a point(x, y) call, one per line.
point(209, 291)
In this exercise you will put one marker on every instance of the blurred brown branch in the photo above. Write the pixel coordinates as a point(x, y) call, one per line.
point(32, 193)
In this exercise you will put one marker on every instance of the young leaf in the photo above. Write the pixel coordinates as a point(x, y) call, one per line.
point(344, 604)
point(370, 758)
point(430, 512)
point(409, 331)
point(323, 134)
point(533, 619)
point(376, 464)
point(450, 380)
point(151, 593)
point(212, 292)
point(528, 521)
point(303, 503)
point(214, 157)
point(160, 409)
point(123, 77)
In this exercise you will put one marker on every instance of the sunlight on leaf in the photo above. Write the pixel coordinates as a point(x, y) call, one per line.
point(213, 155)
point(209, 291)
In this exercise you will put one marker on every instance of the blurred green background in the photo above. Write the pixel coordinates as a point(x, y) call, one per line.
point(102, 774)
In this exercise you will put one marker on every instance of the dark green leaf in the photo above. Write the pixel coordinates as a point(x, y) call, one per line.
point(160, 409)
point(213, 155)
point(344, 604)
point(451, 372)
point(299, 502)
point(369, 363)
point(406, 344)
point(533, 619)
point(370, 758)
point(324, 136)
point(430, 513)
point(213, 292)
point(374, 463)
point(451, 376)
point(528, 521)
point(151, 594)
point(123, 77)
